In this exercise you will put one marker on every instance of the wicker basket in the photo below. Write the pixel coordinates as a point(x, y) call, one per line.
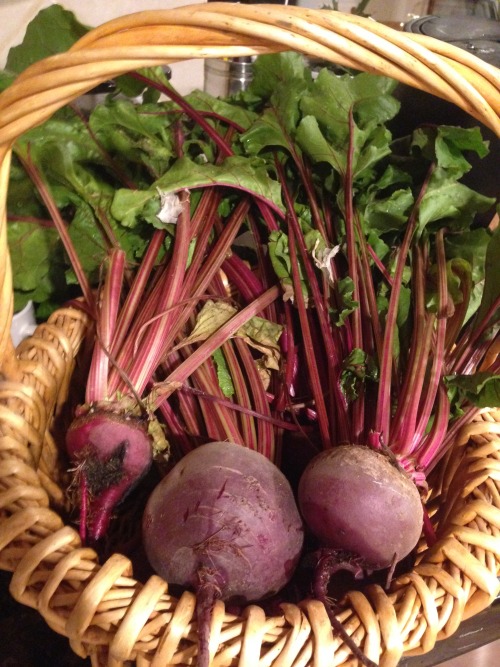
point(101, 608)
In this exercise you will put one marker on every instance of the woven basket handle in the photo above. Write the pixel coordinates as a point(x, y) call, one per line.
point(219, 30)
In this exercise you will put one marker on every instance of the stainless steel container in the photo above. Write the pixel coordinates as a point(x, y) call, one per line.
point(224, 77)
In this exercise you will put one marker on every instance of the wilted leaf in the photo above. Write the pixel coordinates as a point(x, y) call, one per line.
point(263, 335)
point(212, 316)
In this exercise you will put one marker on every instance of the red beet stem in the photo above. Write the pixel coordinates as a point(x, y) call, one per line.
point(383, 415)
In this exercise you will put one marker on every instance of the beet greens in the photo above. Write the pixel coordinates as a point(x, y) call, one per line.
point(368, 253)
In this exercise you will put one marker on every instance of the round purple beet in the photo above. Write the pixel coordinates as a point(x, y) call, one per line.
point(353, 498)
point(224, 514)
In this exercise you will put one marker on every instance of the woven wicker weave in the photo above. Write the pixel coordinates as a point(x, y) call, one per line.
point(101, 608)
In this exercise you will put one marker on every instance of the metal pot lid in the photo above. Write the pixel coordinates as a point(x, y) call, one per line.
point(477, 35)
point(455, 28)
point(482, 48)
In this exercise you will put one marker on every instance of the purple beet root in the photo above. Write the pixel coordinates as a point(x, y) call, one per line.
point(111, 453)
point(366, 513)
point(224, 523)
point(354, 499)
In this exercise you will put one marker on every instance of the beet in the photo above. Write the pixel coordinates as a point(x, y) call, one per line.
point(355, 499)
point(366, 513)
point(111, 453)
point(223, 522)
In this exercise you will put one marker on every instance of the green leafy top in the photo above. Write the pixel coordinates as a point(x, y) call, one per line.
point(53, 30)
